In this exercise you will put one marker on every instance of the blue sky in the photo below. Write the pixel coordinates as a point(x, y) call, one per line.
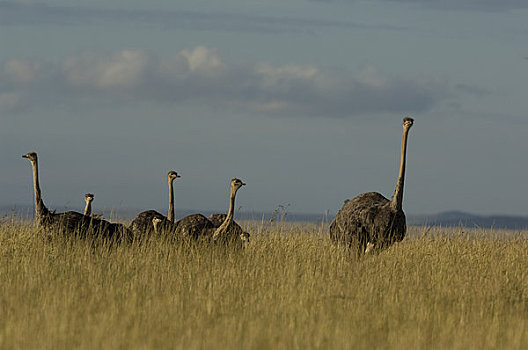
point(303, 100)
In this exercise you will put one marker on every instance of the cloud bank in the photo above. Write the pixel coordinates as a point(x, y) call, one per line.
point(199, 76)
point(478, 5)
point(35, 14)
point(471, 5)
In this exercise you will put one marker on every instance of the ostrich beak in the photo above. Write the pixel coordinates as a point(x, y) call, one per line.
point(24, 156)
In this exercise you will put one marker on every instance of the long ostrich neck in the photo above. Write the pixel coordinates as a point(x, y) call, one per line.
point(170, 215)
point(397, 197)
point(229, 219)
point(40, 208)
point(88, 208)
point(231, 212)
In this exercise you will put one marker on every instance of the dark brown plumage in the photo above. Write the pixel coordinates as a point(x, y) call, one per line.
point(142, 224)
point(368, 218)
point(372, 218)
point(194, 226)
point(71, 222)
point(218, 219)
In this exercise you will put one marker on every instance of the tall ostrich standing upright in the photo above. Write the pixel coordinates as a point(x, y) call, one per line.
point(371, 219)
point(71, 222)
point(143, 222)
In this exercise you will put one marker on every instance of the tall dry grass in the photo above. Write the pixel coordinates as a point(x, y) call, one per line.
point(290, 289)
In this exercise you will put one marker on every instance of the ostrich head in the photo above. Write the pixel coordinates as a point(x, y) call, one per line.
point(172, 175)
point(244, 237)
point(155, 223)
point(408, 122)
point(89, 197)
point(236, 184)
point(32, 156)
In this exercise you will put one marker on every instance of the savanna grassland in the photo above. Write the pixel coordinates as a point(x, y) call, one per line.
point(290, 289)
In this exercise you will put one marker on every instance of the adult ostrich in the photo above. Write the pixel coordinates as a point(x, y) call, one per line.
point(229, 231)
point(219, 227)
point(371, 220)
point(143, 222)
point(71, 222)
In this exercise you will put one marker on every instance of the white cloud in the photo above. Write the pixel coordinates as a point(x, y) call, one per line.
point(9, 101)
point(123, 69)
point(201, 59)
point(21, 71)
point(198, 76)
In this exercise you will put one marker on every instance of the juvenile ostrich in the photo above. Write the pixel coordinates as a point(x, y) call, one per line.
point(371, 221)
point(71, 222)
point(143, 222)
point(89, 197)
point(229, 231)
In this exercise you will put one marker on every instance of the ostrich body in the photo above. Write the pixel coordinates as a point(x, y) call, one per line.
point(371, 221)
point(71, 222)
point(229, 231)
point(219, 227)
point(143, 222)
point(194, 226)
point(89, 197)
point(218, 219)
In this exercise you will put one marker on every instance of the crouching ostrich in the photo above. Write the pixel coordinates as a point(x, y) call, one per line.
point(221, 228)
point(143, 223)
point(229, 231)
point(72, 222)
point(371, 221)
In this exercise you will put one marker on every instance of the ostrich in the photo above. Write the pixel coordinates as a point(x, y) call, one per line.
point(89, 197)
point(198, 226)
point(143, 222)
point(71, 222)
point(229, 231)
point(371, 221)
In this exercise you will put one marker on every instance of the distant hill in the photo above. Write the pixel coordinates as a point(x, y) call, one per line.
point(459, 218)
point(445, 219)
point(25, 212)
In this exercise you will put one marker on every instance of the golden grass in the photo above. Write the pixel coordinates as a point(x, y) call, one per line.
point(290, 289)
